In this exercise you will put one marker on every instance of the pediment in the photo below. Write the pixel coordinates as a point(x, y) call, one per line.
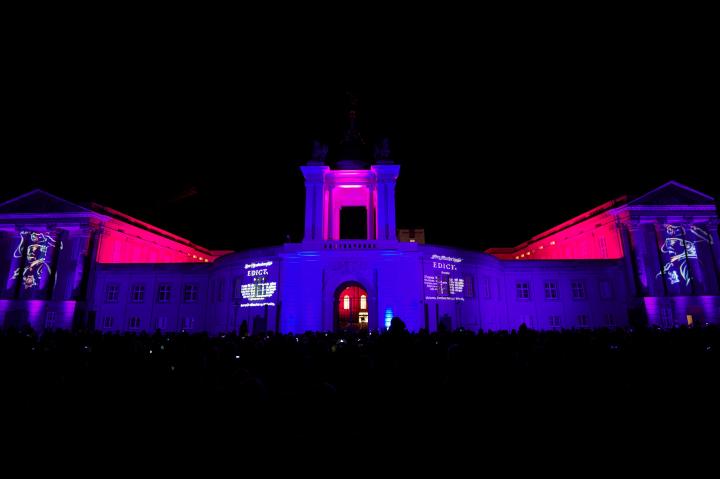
point(673, 193)
point(41, 202)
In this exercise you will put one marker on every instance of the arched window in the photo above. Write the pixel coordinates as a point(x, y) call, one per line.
point(363, 302)
point(346, 302)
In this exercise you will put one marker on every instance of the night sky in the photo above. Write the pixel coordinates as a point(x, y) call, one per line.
point(498, 138)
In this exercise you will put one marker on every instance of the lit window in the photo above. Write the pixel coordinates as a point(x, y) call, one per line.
point(551, 290)
point(188, 322)
point(164, 293)
point(111, 293)
point(346, 302)
point(363, 302)
point(523, 290)
point(137, 294)
point(578, 289)
point(190, 293)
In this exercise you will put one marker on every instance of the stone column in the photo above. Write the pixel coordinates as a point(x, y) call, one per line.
point(712, 228)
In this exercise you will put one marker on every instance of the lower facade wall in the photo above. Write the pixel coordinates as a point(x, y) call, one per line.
point(498, 295)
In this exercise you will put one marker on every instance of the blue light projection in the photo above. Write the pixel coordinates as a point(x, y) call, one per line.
point(34, 247)
point(388, 317)
point(679, 249)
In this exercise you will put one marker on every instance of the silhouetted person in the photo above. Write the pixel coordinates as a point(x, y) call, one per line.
point(397, 326)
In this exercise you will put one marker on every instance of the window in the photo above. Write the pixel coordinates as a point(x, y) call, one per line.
point(137, 294)
point(237, 290)
point(50, 320)
point(523, 290)
point(551, 290)
point(187, 323)
point(582, 321)
point(602, 246)
point(134, 323)
point(486, 292)
point(190, 293)
point(554, 322)
point(220, 284)
point(164, 293)
point(107, 322)
point(161, 322)
point(606, 291)
point(111, 293)
point(363, 301)
point(346, 302)
point(609, 320)
point(469, 287)
point(578, 289)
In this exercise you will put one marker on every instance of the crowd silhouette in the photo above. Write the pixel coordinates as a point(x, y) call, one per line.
point(562, 369)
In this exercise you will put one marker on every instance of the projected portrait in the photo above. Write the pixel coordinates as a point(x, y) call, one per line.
point(680, 252)
point(34, 247)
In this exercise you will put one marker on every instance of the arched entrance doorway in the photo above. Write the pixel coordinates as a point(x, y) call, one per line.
point(351, 307)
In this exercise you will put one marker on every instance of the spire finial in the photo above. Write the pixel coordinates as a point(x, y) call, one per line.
point(352, 135)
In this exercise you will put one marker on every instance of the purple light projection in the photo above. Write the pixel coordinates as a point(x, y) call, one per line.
point(34, 247)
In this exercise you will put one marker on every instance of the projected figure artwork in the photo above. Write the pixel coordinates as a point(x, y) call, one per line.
point(680, 247)
point(35, 245)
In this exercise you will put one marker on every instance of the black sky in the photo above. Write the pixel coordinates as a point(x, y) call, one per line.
point(501, 133)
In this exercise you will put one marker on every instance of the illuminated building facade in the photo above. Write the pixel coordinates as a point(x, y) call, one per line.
point(654, 257)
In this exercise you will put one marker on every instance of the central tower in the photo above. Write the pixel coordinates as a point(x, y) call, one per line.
point(352, 199)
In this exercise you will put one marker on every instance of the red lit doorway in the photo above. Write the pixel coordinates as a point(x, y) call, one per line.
point(351, 308)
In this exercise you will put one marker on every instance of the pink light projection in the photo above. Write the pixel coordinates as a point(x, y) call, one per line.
point(592, 235)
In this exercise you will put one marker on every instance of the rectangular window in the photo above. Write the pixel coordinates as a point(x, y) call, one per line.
point(554, 322)
point(469, 290)
point(609, 320)
point(606, 291)
point(161, 323)
point(486, 292)
point(190, 293)
point(50, 320)
point(551, 290)
point(107, 322)
point(523, 290)
point(163, 293)
point(137, 293)
point(582, 321)
point(237, 289)
point(111, 293)
point(188, 323)
point(578, 289)
point(134, 323)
